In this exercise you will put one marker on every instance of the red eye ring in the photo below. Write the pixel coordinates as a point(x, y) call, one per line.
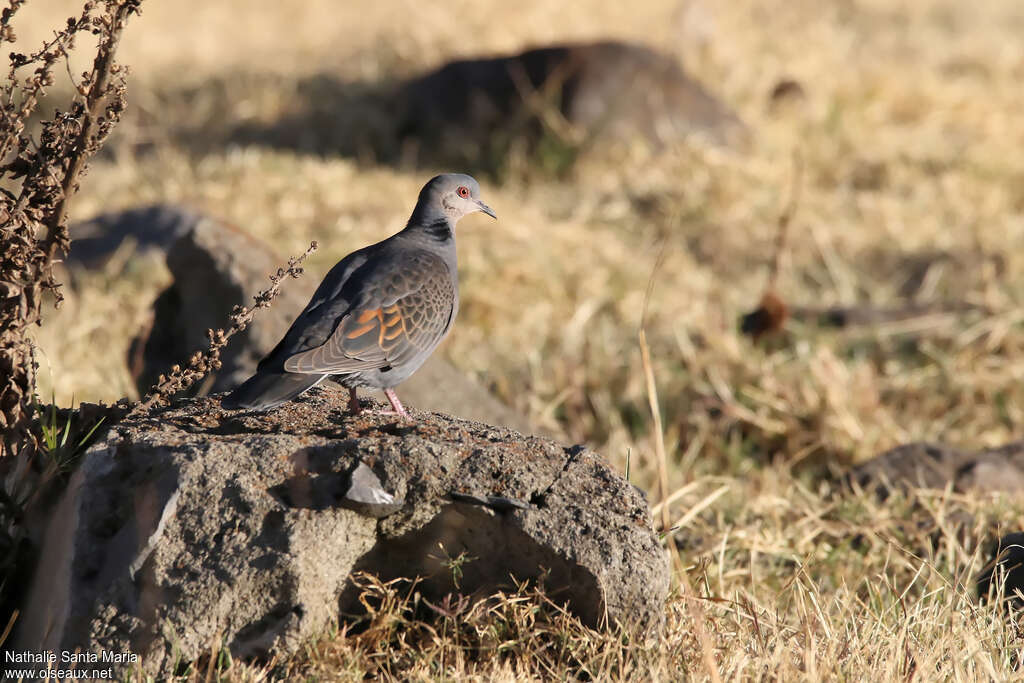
point(463, 191)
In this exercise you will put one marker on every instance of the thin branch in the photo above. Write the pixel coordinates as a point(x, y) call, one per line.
point(203, 362)
point(785, 218)
point(103, 67)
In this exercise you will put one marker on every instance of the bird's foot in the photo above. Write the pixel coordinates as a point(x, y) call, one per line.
point(396, 404)
point(353, 403)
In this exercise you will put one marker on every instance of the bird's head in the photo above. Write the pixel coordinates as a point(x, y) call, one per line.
point(452, 196)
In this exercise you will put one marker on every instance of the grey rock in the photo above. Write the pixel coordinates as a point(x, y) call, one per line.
point(935, 466)
point(1002, 577)
point(195, 525)
point(366, 494)
point(915, 466)
point(151, 228)
point(216, 266)
point(608, 91)
point(497, 503)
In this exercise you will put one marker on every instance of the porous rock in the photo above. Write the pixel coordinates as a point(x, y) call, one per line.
point(937, 466)
point(196, 525)
point(1002, 577)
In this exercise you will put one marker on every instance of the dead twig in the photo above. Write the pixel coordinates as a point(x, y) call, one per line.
point(785, 219)
point(771, 313)
point(203, 362)
point(693, 606)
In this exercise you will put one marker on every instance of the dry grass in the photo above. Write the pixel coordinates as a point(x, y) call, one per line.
point(792, 589)
point(909, 132)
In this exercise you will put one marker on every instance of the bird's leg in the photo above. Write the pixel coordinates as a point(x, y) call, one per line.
point(395, 403)
point(353, 402)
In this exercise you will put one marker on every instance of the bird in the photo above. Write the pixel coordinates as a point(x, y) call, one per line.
point(379, 312)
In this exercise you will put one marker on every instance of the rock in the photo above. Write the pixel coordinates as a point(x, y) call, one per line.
point(1003, 575)
point(366, 494)
point(196, 525)
point(923, 465)
point(608, 91)
point(151, 228)
point(935, 466)
point(216, 266)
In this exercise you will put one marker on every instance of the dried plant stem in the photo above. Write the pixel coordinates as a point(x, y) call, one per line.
point(103, 67)
point(42, 171)
point(657, 429)
point(203, 362)
point(772, 312)
point(785, 218)
point(652, 389)
point(693, 605)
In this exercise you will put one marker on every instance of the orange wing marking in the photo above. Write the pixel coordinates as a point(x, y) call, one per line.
point(366, 320)
point(394, 326)
point(390, 328)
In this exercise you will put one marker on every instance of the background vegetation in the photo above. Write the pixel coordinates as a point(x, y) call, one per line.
point(909, 129)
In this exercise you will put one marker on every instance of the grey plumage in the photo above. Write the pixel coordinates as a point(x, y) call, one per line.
point(379, 312)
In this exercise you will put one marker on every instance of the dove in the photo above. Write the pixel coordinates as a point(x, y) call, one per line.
point(379, 312)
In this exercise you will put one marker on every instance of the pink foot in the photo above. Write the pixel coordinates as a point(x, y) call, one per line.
point(396, 404)
point(353, 402)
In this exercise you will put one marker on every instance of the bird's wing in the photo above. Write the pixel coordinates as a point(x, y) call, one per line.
point(315, 324)
point(403, 309)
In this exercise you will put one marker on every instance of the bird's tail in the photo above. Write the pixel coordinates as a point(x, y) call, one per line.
point(266, 390)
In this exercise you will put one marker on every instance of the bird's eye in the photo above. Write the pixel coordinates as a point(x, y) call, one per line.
point(463, 191)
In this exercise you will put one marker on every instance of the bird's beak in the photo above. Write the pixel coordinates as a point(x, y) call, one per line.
point(486, 209)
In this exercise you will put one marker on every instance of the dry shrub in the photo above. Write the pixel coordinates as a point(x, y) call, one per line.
point(38, 176)
point(41, 162)
point(42, 159)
